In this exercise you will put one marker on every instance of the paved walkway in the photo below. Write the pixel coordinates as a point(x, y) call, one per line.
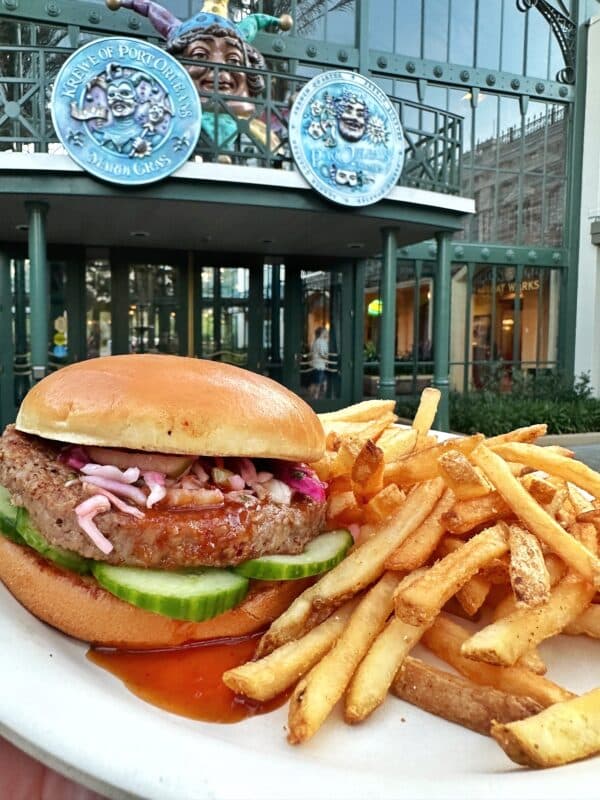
point(589, 454)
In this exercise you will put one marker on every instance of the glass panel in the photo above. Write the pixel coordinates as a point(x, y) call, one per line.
point(58, 339)
point(98, 308)
point(508, 207)
point(489, 19)
point(319, 361)
point(341, 21)
point(462, 32)
point(555, 212)
point(381, 25)
point(436, 30)
point(233, 335)
point(273, 326)
point(533, 197)
point(225, 295)
point(538, 42)
point(513, 38)
point(408, 26)
point(153, 308)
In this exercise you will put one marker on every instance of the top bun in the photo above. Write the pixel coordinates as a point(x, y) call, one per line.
point(171, 404)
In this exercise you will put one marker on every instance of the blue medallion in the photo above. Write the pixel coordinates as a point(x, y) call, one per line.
point(346, 138)
point(126, 111)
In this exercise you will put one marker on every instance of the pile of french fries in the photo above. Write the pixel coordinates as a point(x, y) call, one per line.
point(499, 531)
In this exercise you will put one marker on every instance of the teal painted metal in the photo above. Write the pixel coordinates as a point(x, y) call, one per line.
point(568, 299)
point(384, 63)
point(7, 382)
point(38, 288)
point(358, 329)
point(22, 354)
point(465, 252)
point(387, 355)
point(441, 331)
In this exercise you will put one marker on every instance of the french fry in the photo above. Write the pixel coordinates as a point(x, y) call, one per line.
point(348, 449)
point(318, 692)
point(421, 602)
point(587, 623)
point(469, 514)
point(428, 405)
point(558, 735)
point(363, 566)
point(272, 675)
point(506, 640)
point(529, 575)
point(374, 675)
point(423, 465)
point(535, 519)
point(417, 548)
point(475, 591)
point(370, 429)
point(527, 434)
point(397, 442)
point(445, 637)
point(457, 699)
point(367, 470)
point(366, 411)
point(545, 459)
point(384, 504)
point(556, 571)
point(539, 488)
point(343, 508)
point(460, 475)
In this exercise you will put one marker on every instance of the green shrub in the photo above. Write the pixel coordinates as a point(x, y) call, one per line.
point(566, 406)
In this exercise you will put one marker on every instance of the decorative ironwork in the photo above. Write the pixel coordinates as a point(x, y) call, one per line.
point(563, 28)
point(259, 138)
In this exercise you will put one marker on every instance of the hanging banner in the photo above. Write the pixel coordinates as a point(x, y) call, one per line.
point(346, 138)
point(126, 111)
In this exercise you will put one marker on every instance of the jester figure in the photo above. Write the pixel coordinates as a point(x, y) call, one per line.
point(211, 36)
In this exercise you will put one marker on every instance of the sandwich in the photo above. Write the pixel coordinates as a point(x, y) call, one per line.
point(150, 501)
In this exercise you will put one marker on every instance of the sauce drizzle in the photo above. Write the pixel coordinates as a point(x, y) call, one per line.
point(188, 680)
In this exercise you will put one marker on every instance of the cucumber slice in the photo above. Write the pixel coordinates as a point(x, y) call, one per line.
point(8, 517)
point(63, 558)
point(194, 595)
point(320, 555)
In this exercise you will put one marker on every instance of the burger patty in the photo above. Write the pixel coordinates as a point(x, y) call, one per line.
point(166, 538)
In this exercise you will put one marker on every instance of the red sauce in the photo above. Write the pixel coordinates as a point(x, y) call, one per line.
point(187, 680)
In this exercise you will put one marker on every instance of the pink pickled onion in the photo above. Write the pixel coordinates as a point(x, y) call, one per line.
point(303, 480)
point(248, 471)
point(237, 483)
point(74, 457)
point(130, 475)
point(155, 481)
point(86, 512)
point(121, 489)
point(116, 501)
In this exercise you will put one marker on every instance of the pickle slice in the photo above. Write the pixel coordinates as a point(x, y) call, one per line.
point(8, 517)
point(194, 595)
point(63, 558)
point(320, 555)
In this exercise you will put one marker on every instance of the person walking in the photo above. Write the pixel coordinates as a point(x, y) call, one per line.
point(319, 356)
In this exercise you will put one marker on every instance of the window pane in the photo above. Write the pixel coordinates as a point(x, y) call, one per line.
point(513, 38)
point(489, 19)
point(98, 308)
point(381, 25)
point(436, 29)
point(408, 25)
point(462, 32)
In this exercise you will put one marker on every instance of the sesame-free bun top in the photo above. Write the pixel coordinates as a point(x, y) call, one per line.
point(171, 404)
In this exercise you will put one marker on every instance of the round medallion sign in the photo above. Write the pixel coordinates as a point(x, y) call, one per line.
point(126, 111)
point(346, 138)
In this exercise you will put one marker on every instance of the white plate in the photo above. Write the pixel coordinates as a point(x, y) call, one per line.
point(82, 721)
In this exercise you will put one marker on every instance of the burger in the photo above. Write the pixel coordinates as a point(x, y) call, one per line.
point(149, 501)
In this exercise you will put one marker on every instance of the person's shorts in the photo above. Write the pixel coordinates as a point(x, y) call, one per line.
point(319, 376)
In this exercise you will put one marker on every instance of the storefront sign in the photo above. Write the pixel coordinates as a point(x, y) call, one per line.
point(346, 138)
point(126, 111)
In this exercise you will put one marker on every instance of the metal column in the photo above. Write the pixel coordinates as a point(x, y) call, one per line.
point(387, 341)
point(441, 330)
point(39, 299)
point(7, 351)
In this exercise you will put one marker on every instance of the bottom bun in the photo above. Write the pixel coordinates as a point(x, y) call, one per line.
point(79, 607)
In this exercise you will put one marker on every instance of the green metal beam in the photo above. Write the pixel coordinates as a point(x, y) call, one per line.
point(39, 300)
point(7, 350)
point(385, 63)
point(441, 330)
point(387, 355)
point(510, 255)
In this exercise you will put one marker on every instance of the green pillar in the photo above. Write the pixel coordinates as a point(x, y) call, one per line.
point(441, 330)
point(7, 380)
point(387, 335)
point(39, 300)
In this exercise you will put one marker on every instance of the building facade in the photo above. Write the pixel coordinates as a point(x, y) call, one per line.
point(236, 258)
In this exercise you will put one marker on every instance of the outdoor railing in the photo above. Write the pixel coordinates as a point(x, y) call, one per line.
point(258, 138)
